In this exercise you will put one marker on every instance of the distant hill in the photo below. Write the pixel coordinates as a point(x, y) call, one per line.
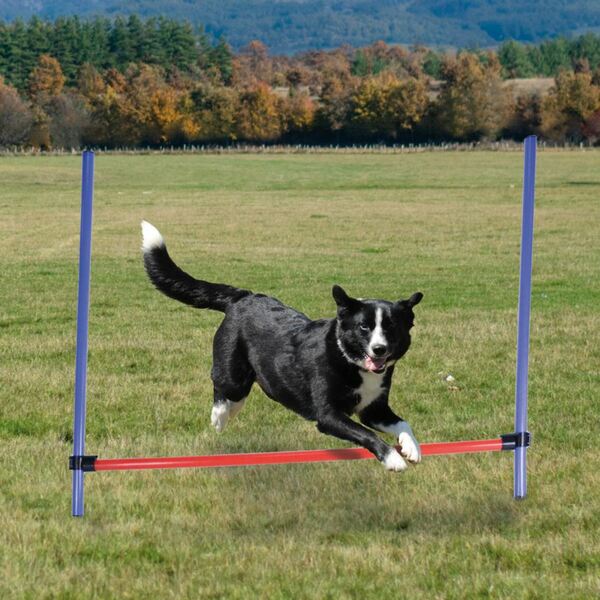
point(289, 26)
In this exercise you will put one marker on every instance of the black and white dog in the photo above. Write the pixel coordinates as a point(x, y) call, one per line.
point(324, 370)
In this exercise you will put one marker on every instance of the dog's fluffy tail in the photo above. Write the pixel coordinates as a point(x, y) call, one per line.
point(175, 283)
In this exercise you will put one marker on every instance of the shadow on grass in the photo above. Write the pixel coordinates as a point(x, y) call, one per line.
point(339, 504)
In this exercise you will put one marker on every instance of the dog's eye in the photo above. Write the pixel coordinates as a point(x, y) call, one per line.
point(364, 327)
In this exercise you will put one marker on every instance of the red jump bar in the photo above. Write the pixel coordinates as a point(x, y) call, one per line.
point(281, 458)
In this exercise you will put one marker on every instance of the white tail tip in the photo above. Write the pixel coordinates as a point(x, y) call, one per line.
point(151, 237)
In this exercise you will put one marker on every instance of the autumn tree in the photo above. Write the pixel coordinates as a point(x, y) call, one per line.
point(215, 111)
point(187, 128)
point(252, 65)
point(259, 118)
point(152, 106)
point(570, 104)
point(335, 105)
point(298, 114)
point(525, 117)
point(326, 67)
point(90, 83)
point(46, 79)
point(133, 109)
point(165, 116)
point(39, 136)
point(68, 119)
point(473, 103)
point(109, 123)
point(384, 107)
point(15, 117)
point(379, 57)
point(46, 82)
point(591, 127)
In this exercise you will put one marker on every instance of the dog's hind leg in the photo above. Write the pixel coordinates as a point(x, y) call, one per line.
point(232, 378)
point(228, 401)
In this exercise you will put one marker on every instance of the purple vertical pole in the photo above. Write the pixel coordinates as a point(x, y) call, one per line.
point(520, 480)
point(83, 308)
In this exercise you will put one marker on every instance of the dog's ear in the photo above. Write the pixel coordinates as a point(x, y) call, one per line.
point(412, 301)
point(415, 299)
point(342, 299)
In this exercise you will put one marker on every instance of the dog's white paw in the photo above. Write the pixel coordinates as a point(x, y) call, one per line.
point(223, 412)
point(394, 462)
point(219, 416)
point(409, 447)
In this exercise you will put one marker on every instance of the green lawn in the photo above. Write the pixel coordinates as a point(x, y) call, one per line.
point(446, 224)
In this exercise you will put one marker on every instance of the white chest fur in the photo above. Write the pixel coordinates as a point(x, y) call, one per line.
point(370, 389)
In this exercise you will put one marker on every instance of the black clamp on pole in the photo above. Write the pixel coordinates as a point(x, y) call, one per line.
point(82, 463)
point(510, 441)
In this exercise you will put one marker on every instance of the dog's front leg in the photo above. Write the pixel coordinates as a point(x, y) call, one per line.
point(338, 424)
point(381, 417)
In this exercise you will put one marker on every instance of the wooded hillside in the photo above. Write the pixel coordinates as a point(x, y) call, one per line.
point(298, 25)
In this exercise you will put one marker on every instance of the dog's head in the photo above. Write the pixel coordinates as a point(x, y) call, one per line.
point(373, 334)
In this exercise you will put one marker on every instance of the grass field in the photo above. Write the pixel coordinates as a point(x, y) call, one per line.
point(382, 226)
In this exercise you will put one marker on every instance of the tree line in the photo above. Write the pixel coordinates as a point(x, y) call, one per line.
point(106, 44)
point(549, 58)
point(133, 82)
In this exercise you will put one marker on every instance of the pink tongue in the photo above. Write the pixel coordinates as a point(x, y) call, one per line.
point(374, 364)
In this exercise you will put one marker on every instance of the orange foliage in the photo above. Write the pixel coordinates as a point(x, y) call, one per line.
point(473, 103)
point(377, 93)
point(569, 106)
point(298, 113)
point(46, 79)
point(259, 118)
point(384, 106)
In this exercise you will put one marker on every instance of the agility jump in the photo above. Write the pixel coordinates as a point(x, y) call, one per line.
point(519, 441)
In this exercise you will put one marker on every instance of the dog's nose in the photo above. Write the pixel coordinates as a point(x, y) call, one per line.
point(378, 350)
